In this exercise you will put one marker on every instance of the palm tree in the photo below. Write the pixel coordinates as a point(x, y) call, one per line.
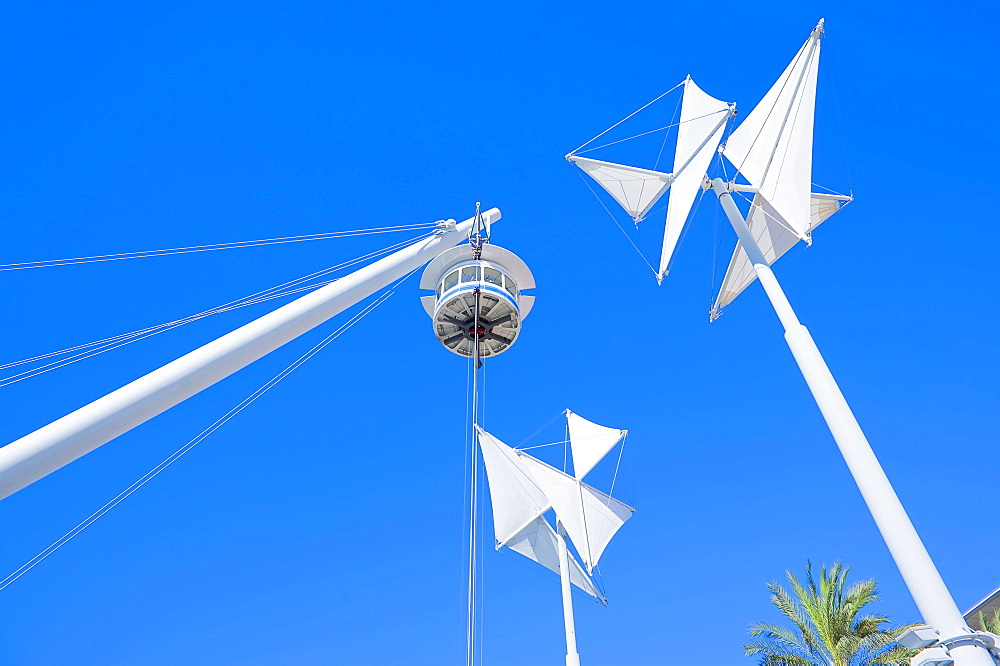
point(990, 623)
point(828, 627)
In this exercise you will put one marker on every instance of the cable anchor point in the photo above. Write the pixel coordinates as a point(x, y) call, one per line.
point(441, 227)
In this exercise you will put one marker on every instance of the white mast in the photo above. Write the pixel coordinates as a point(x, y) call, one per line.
point(572, 656)
point(47, 449)
point(772, 148)
point(912, 559)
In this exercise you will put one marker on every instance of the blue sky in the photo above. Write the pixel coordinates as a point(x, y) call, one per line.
point(325, 524)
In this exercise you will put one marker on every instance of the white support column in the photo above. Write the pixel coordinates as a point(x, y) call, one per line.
point(914, 563)
point(572, 657)
point(47, 449)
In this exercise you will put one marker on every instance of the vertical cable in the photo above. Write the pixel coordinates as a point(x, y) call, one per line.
point(472, 609)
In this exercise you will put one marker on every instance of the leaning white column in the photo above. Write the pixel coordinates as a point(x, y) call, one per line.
point(572, 656)
point(925, 584)
point(47, 449)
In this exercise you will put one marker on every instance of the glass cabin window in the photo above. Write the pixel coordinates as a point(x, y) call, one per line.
point(510, 286)
point(450, 281)
point(470, 274)
point(493, 276)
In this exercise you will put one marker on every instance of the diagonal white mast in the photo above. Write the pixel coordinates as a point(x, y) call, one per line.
point(773, 149)
point(925, 584)
point(61, 442)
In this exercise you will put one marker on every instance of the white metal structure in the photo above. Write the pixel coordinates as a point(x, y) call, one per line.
point(47, 449)
point(477, 299)
point(524, 489)
point(772, 150)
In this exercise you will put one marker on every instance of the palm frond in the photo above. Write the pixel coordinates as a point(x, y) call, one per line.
point(828, 628)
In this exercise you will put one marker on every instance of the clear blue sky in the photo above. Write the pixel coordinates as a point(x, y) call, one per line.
point(324, 524)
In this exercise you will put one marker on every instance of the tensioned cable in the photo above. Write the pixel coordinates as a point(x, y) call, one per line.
point(472, 623)
point(718, 227)
point(768, 215)
point(481, 584)
point(832, 78)
point(787, 258)
point(716, 246)
point(832, 191)
point(617, 224)
point(107, 344)
point(470, 443)
point(130, 338)
point(539, 446)
point(660, 129)
point(567, 440)
point(176, 455)
point(611, 492)
point(214, 246)
point(547, 424)
point(236, 303)
point(666, 135)
point(566, 446)
point(787, 113)
point(628, 116)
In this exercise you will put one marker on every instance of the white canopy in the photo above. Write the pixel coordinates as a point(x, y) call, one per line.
point(589, 442)
point(523, 489)
point(637, 190)
point(538, 541)
point(590, 517)
point(774, 237)
point(703, 120)
point(517, 500)
point(518, 511)
point(772, 148)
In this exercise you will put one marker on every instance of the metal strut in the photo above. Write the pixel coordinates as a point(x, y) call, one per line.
point(479, 234)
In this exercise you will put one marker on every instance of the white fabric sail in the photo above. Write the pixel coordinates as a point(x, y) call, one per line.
point(703, 120)
point(589, 442)
point(539, 542)
point(774, 238)
point(636, 190)
point(772, 148)
point(516, 498)
point(590, 517)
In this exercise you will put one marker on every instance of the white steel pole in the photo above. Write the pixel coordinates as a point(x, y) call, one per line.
point(925, 584)
point(47, 449)
point(572, 657)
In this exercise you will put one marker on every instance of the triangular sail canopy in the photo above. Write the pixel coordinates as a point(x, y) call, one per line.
point(590, 517)
point(774, 238)
point(589, 442)
point(637, 190)
point(703, 120)
point(772, 148)
point(538, 541)
point(516, 498)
